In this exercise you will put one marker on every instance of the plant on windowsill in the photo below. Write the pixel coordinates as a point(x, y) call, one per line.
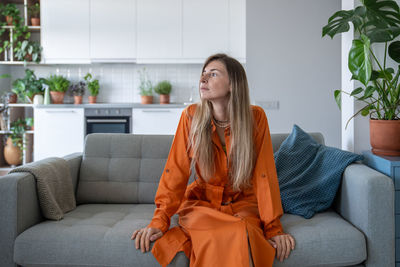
point(58, 85)
point(93, 87)
point(15, 144)
point(77, 90)
point(28, 51)
point(34, 11)
point(27, 87)
point(163, 88)
point(375, 21)
point(145, 87)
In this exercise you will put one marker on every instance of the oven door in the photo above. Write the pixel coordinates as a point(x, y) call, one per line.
point(107, 125)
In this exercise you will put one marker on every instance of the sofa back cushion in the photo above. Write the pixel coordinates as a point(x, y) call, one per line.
point(122, 168)
point(126, 168)
point(278, 138)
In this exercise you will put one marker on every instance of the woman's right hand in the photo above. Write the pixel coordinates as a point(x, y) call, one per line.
point(144, 236)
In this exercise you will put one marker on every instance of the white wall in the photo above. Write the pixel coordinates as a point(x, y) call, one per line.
point(288, 61)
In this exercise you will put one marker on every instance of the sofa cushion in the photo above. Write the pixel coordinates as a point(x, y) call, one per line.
point(99, 235)
point(90, 235)
point(324, 240)
point(122, 168)
point(309, 173)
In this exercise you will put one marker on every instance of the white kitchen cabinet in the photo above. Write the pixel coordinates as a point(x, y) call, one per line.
point(58, 132)
point(65, 31)
point(237, 29)
point(205, 28)
point(159, 30)
point(113, 30)
point(155, 120)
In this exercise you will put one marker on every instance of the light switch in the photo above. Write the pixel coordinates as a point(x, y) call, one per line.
point(268, 104)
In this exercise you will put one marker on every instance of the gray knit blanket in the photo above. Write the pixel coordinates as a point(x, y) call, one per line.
point(53, 184)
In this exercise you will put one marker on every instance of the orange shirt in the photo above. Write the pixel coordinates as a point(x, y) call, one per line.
point(173, 194)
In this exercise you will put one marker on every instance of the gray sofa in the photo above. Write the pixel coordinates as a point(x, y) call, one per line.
point(115, 181)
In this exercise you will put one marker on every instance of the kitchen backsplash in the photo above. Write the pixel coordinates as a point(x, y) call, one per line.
point(120, 82)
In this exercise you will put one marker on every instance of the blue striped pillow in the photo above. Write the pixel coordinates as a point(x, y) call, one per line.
point(309, 173)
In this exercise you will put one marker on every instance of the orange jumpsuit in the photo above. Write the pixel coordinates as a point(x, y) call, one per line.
point(216, 224)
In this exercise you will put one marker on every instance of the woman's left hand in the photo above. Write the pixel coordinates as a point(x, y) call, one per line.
point(283, 244)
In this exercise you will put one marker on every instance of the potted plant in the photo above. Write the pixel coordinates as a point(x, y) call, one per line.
point(58, 85)
point(163, 88)
point(77, 90)
point(34, 11)
point(145, 87)
point(15, 143)
point(93, 86)
point(27, 87)
point(375, 21)
point(28, 51)
point(11, 12)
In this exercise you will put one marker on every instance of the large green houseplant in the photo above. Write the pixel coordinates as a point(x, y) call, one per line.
point(374, 21)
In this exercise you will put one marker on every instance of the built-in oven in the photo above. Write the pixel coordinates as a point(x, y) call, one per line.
point(108, 120)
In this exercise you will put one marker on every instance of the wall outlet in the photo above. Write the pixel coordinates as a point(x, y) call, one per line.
point(268, 104)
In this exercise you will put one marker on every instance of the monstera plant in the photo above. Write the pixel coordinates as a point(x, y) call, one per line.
point(374, 22)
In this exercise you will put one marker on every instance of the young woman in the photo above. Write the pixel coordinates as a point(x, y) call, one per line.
point(230, 215)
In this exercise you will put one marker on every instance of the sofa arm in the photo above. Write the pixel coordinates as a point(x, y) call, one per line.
point(366, 199)
point(74, 160)
point(19, 210)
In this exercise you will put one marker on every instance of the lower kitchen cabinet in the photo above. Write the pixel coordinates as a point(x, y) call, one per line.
point(155, 120)
point(58, 132)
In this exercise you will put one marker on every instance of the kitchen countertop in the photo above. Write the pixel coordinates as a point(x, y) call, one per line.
point(115, 105)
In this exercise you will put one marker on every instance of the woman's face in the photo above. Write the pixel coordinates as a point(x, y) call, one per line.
point(214, 82)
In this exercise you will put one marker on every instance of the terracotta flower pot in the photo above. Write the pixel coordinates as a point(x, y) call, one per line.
point(164, 99)
point(12, 154)
point(9, 20)
point(92, 99)
point(12, 97)
point(146, 99)
point(35, 21)
point(77, 99)
point(28, 57)
point(57, 97)
point(385, 137)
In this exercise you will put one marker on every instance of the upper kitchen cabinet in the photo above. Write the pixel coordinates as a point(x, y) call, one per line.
point(65, 31)
point(188, 31)
point(205, 28)
point(237, 29)
point(159, 31)
point(113, 30)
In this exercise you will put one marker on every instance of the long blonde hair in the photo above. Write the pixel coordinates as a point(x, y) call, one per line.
point(241, 154)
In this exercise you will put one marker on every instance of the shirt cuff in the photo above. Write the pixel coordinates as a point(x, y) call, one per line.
point(158, 223)
point(273, 229)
